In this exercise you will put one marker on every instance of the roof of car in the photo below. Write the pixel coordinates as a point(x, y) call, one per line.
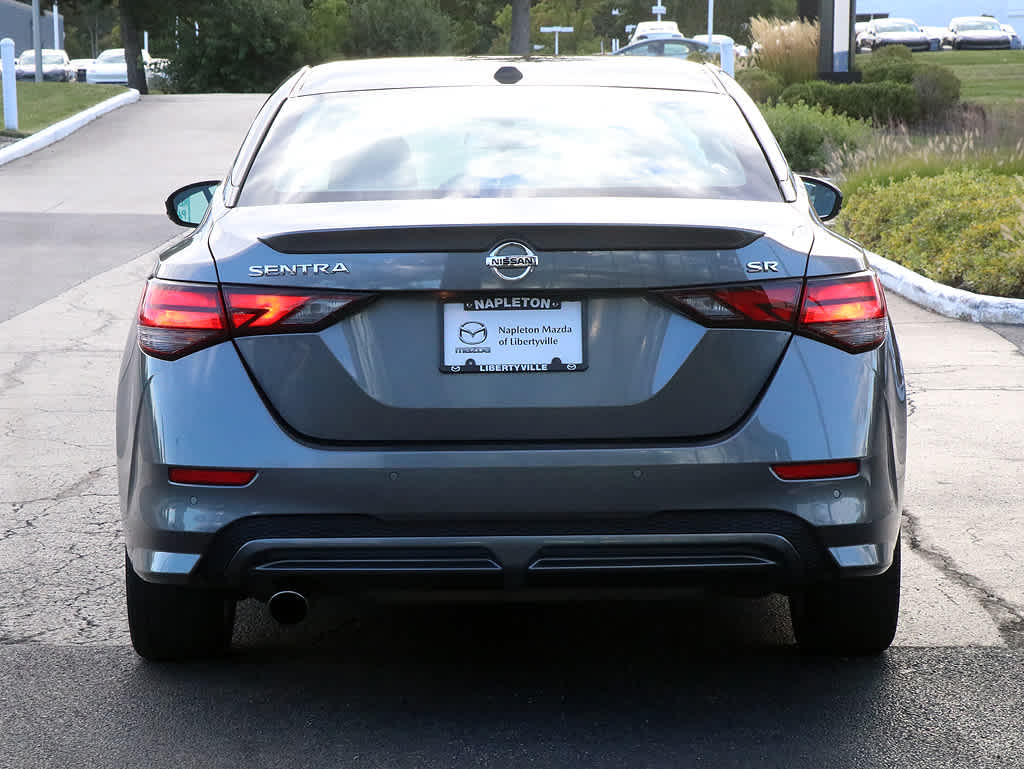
point(628, 72)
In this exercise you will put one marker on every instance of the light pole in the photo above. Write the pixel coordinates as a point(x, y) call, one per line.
point(37, 42)
point(9, 84)
point(57, 43)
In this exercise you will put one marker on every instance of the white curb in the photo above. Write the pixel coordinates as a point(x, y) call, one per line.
point(951, 302)
point(58, 131)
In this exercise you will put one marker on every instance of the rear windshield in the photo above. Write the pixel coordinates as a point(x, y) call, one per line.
point(977, 26)
point(897, 26)
point(508, 141)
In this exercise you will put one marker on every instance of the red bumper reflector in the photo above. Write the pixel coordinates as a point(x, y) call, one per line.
point(205, 477)
point(810, 471)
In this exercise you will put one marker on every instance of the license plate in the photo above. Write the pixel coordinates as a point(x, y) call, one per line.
point(512, 334)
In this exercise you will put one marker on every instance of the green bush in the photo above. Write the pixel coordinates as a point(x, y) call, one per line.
point(763, 86)
point(938, 89)
point(896, 70)
point(884, 102)
point(889, 53)
point(961, 227)
point(808, 136)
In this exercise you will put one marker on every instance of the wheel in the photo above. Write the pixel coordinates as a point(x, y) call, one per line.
point(172, 622)
point(852, 616)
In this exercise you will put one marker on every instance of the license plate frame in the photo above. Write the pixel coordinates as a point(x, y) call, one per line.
point(508, 316)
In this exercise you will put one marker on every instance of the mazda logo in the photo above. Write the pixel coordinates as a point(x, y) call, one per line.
point(473, 332)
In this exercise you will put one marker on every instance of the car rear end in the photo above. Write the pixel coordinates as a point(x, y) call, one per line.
point(508, 346)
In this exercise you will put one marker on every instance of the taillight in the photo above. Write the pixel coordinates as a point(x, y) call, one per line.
point(766, 305)
point(176, 319)
point(277, 311)
point(813, 471)
point(848, 312)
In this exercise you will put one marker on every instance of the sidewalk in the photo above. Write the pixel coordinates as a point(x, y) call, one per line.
point(965, 487)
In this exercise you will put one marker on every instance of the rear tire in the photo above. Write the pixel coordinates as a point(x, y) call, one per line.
point(852, 616)
point(176, 623)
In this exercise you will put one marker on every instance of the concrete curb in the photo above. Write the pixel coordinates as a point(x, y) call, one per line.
point(65, 127)
point(951, 302)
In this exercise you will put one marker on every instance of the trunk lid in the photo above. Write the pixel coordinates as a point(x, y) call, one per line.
point(631, 367)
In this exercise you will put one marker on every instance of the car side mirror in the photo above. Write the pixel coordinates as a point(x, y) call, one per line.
point(826, 199)
point(187, 206)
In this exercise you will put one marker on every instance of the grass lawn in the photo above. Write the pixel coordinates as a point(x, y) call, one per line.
point(988, 77)
point(42, 104)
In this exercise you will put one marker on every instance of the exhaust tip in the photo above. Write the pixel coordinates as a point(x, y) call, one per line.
point(288, 607)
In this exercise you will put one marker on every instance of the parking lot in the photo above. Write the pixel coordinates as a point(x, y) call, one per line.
point(698, 680)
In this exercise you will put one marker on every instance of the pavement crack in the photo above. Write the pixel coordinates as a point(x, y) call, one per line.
point(12, 377)
point(1009, 622)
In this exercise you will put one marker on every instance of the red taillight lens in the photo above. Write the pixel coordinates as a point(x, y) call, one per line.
point(764, 305)
point(811, 471)
point(282, 310)
point(848, 312)
point(200, 476)
point(178, 318)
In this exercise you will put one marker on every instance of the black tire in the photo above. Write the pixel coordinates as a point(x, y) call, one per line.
point(852, 616)
point(176, 623)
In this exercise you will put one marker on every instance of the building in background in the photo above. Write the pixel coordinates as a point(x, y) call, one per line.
point(16, 23)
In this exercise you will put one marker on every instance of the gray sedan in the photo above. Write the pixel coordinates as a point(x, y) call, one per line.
point(460, 327)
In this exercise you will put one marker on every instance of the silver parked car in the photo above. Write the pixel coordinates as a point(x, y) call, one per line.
point(56, 66)
point(977, 32)
point(504, 338)
point(882, 32)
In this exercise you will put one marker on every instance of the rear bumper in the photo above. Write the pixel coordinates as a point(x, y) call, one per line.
point(510, 516)
point(260, 555)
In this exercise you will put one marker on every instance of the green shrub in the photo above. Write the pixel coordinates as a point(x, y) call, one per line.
point(763, 86)
point(884, 102)
point(961, 227)
point(938, 89)
point(896, 70)
point(809, 136)
point(888, 53)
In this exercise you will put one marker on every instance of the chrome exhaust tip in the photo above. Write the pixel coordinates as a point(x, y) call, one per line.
point(288, 607)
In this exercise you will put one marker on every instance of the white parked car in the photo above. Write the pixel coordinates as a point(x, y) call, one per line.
point(110, 67)
point(646, 30)
point(715, 44)
point(56, 66)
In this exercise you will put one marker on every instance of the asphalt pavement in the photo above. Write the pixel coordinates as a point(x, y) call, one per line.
point(700, 681)
point(95, 200)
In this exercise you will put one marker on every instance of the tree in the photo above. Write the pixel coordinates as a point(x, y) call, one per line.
point(242, 45)
point(519, 33)
point(408, 28)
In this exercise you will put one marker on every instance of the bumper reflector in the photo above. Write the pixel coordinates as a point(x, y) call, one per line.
point(812, 471)
point(205, 477)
